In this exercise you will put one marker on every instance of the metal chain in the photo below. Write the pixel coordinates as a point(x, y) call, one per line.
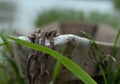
point(40, 70)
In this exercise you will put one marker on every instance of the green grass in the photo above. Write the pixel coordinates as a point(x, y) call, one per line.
point(110, 75)
point(69, 64)
point(9, 65)
point(96, 56)
point(6, 43)
point(56, 15)
point(56, 72)
point(51, 16)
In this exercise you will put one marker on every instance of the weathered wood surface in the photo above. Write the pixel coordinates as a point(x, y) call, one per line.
point(74, 47)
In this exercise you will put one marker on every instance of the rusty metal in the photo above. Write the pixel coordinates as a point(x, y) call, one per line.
point(40, 70)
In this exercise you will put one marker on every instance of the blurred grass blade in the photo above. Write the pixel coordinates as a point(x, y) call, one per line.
point(15, 68)
point(112, 58)
point(2, 44)
point(116, 44)
point(92, 40)
point(79, 72)
point(6, 43)
point(116, 75)
point(114, 52)
point(96, 47)
point(87, 34)
point(56, 71)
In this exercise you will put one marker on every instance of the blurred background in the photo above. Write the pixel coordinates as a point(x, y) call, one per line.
point(24, 16)
point(68, 16)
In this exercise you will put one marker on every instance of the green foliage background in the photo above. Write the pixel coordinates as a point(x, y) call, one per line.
point(117, 4)
point(48, 17)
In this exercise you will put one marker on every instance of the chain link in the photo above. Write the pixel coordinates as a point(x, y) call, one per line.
point(40, 71)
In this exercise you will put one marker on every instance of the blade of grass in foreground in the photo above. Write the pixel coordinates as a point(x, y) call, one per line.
point(17, 73)
point(116, 44)
point(56, 72)
point(79, 72)
point(6, 43)
point(12, 63)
